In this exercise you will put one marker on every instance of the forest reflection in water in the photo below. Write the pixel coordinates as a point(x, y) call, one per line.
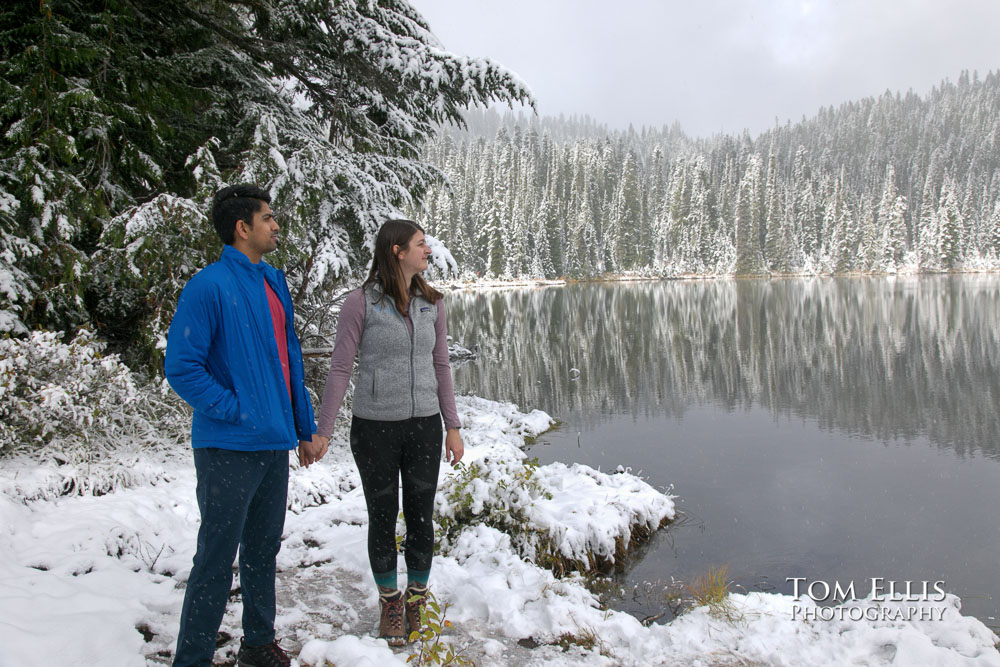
point(835, 429)
point(882, 357)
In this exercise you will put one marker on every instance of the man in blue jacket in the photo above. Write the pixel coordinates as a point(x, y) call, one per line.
point(232, 353)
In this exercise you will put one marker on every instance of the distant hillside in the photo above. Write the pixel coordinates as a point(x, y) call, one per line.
point(897, 182)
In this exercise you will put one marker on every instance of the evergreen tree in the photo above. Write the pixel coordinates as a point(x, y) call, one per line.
point(88, 110)
point(844, 239)
point(554, 232)
point(949, 224)
point(929, 245)
point(109, 108)
point(775, 252)
point(627, 216)
point(870, 242)
point(803, 208)
point(517, 241)
point(928, 202)
point(703, 216)
point(994, 229)
point(748, 256)
point(656, 195)
point(678, 210)
point(891, 220)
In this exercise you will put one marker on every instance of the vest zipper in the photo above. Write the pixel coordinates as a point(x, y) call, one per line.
point(412, 330)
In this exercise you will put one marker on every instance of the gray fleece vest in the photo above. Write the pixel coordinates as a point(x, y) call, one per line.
point(396, 377)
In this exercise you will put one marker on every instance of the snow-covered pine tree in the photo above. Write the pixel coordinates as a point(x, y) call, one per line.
point(870, 249)
point(78, 143)
point(949, 224)
point(803, 204)
point(517, 240)
point(844, 244)
point(891, 221)
point(929, 244)
point(749, 260)
point(554, 231)
point(703, 215)
point(775, 254)
point(627, 214)
point(327, 103)
point(930, 192)
point(678, 207)
point(655, 208)
point(994, 229)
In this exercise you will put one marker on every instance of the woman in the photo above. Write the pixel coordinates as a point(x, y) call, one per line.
point(395, 324)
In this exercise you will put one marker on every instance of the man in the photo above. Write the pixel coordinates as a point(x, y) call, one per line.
point(233, 355)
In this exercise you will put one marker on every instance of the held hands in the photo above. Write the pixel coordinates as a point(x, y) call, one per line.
point(454, 448)
point(312, 451)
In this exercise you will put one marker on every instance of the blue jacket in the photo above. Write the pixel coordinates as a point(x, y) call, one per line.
point(222, 359)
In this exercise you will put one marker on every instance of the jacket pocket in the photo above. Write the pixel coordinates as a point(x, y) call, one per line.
point(227, 410)
point(237, 415)
point(374, 385)
point(247, 409)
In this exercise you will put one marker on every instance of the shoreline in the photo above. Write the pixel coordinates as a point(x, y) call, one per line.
point(521, 283)
point(111, 568)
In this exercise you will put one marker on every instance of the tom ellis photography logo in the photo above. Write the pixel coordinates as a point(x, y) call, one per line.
point(886, 600)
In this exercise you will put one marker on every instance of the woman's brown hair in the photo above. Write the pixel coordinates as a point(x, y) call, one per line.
point(386, 271)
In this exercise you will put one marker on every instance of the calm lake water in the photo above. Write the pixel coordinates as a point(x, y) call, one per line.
point(833, 429)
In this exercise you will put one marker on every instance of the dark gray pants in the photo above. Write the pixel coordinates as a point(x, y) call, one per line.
point(241, 496)
point(386, 451)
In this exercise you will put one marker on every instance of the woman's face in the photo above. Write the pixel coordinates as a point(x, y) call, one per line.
point(413, 258)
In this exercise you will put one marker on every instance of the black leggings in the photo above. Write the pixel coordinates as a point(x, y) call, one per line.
point(385, 450)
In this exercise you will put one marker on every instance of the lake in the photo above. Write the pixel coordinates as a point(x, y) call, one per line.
point(832, 429)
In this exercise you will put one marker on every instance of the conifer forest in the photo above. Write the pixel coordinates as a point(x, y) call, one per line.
point(904, 181)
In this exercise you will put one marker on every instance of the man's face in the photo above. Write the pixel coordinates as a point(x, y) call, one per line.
point(262, 235)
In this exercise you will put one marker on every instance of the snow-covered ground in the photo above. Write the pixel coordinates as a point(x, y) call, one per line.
point(98, 580)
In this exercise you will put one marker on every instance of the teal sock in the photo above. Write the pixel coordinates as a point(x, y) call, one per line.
point(386, 579)
point(417, 578)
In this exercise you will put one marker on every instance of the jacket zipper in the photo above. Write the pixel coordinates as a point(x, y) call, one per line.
point(267, 311)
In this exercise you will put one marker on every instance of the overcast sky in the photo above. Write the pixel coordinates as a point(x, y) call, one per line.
point(719, 65)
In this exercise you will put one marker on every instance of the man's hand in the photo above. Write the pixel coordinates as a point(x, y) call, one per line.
point(312, 451)
point(454, 448)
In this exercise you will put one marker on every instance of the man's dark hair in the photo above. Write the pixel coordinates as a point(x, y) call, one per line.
point(236, 202)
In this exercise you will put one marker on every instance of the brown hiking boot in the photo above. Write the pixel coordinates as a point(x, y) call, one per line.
point(270, 655)
point(414, 600)
point(390, 624)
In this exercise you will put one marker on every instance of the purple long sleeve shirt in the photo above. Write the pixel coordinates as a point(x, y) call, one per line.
point(345, 349)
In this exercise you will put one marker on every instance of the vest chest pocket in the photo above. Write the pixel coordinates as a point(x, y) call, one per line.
point(424, 320)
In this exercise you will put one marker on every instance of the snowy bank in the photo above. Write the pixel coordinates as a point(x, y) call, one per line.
point(107, 570)
point(93, 580)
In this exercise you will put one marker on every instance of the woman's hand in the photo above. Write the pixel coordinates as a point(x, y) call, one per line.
point(454, 448)
point(312, 451)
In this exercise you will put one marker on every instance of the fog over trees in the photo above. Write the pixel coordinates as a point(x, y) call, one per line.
point(903, 181)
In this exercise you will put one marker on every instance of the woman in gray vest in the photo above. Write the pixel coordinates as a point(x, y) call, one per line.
point(395, 325)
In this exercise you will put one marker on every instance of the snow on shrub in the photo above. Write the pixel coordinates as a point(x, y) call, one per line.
point(52, 389)
point(79, 410)
point(565, 518)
